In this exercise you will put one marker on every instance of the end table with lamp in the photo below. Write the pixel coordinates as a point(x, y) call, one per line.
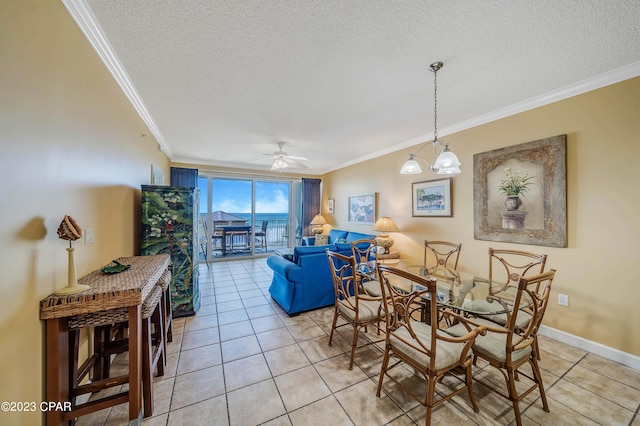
point(385, 225)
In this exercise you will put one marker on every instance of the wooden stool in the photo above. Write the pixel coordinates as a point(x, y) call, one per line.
point(167, 309)
point(109, 339)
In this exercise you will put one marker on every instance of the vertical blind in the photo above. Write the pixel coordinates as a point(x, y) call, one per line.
point(184, 177)
point(310, 202)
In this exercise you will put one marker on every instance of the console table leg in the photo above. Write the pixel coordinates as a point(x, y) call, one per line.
point(57, 366)
point(135, 363)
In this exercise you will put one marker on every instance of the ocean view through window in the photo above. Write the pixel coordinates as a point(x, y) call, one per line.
point(243, 217)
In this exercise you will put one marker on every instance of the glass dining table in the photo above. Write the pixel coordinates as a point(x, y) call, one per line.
point(461, 291)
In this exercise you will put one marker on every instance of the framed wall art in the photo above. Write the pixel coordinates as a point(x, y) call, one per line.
point(519, 193)
point(362, 208)
point(157, 177)
point(432, 198)
point(331, 205)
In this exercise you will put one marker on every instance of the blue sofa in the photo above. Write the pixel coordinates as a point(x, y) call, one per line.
point(304, 282)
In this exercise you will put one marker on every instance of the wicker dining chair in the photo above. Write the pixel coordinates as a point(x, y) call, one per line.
point(426, 349)
point(505, 269)
point(441, 254)
point(365, 255)
point(357, 308)
point(510, 347)
point(438, 255)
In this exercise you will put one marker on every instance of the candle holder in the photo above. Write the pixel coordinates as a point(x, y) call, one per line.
point(70, 230)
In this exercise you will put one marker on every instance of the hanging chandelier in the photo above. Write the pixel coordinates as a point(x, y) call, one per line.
point(446, 162)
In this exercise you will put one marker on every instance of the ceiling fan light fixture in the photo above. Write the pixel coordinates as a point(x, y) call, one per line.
point(279, 164)
point(282, 160)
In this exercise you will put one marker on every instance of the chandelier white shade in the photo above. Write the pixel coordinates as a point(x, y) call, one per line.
point(446, 162)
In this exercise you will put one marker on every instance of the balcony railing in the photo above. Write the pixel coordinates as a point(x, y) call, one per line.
point(276, 238)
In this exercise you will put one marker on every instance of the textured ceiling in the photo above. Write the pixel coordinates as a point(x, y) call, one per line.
point(220, 82)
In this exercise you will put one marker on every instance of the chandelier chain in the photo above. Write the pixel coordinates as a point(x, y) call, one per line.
point(435, 105)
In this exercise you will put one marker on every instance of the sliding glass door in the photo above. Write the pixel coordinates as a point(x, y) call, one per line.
point(244, 217)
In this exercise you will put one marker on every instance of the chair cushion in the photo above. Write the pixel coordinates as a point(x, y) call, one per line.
point(372, 288)
point(522, 321)
point(447, 353)
point(369, 310)
point(493, 345)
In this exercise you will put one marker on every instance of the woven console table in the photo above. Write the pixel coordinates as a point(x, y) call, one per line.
point(108, 293)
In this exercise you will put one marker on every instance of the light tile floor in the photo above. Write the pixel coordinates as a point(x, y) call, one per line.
point(243, 361)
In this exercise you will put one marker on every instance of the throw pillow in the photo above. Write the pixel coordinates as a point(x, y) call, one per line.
point(321, 240)
point(340, 240)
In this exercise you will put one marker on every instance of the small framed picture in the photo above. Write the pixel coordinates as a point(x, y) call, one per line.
point(157, 177)
point(362, 208)
point(432, 198)
point(331, 205)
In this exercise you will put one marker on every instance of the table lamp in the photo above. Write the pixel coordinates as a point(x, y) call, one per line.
point(385, 224)
point(70, 230)
point(317, 223)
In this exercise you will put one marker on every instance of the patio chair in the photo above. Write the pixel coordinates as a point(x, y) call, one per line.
point(261, 236)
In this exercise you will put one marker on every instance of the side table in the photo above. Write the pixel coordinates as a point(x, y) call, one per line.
point(126, 289)
point(392, 255)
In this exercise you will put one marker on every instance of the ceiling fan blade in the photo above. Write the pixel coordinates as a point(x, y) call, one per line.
point(298, 158)
point(295, 163)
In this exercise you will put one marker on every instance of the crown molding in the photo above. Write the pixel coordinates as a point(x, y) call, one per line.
point(86, 21)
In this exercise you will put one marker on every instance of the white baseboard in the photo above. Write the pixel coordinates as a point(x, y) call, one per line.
point(599, 349)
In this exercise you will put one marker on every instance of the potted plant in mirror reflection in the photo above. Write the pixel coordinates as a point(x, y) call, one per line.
point(513, 185)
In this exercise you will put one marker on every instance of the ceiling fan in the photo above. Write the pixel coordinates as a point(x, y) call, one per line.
point(282, 160)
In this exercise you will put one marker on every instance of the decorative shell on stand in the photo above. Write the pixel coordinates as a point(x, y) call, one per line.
point(69, 229)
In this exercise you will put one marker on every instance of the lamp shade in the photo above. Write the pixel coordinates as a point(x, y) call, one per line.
point(410, 167)
point(385, 224)
point(318, 220)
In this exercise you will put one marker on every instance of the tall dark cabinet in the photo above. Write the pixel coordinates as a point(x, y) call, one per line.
point(170, 217)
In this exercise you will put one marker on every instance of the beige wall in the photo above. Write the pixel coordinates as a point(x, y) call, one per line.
point(70, 144)
point(600, 268)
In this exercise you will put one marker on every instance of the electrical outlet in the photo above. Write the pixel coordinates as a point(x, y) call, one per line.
point(563, 300)
point(88, 236)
